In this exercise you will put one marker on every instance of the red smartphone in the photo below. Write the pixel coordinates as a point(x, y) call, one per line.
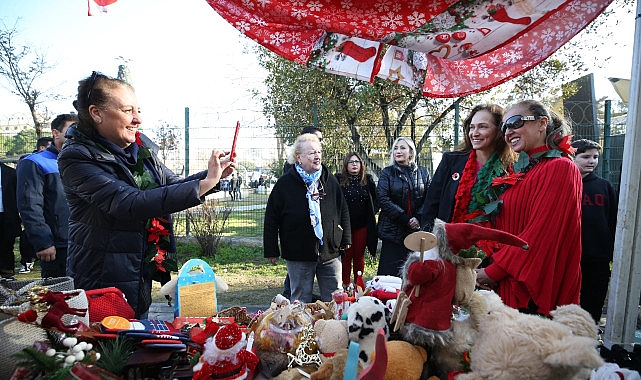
point(233, 145)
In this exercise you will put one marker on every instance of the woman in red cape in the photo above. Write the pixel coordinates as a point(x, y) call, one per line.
point(542, 206)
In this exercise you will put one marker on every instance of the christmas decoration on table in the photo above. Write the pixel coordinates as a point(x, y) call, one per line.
point(306, 352)
point(430, 282)
point(513, 345)
point(227, 355)
point(331, 335)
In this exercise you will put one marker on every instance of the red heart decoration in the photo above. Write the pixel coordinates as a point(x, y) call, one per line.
point(28, 316)
point(484, 31)
point(443, 38)
point(459, 36)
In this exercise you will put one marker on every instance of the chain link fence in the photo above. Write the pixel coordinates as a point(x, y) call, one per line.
point(261, 154)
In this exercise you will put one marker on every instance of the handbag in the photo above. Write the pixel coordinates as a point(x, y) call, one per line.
point(107, 302)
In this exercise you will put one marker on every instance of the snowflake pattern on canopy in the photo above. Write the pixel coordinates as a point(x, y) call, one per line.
point(444, 48)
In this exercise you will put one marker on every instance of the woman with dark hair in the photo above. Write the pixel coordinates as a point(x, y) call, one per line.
point(120, 195)
point(401, 191)
point(359, 190)
point(541, 204)
point(460, 187)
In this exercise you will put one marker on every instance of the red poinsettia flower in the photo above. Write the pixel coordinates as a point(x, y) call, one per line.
point(156, 231)
point(159, 258)
point(138, 140)
point(565, 147)
point(509, 179)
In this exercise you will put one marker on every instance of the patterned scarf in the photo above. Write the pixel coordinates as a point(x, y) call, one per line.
point(313, 199)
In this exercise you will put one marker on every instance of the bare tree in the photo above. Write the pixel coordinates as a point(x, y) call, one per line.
point(21, 68)
point(167, 139)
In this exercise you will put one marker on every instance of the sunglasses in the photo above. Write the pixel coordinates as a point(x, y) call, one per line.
point(516, 122)
point(92, 81)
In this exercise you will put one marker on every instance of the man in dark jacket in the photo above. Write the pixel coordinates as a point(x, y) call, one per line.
point(42, 203)
point(9, 220)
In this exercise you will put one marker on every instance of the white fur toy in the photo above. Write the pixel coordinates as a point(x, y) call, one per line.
point(364, 318)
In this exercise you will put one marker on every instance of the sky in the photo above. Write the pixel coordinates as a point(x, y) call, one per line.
point(183, 54)
point(180, 54)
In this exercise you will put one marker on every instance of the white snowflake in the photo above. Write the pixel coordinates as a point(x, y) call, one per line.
point(382, 5)
point(297, 3)
point(299, 13)
point(296, 50)
point(494, 59)
point(547, 35)
point(416, 19)
point(257, 21)
point(485, 72)
point(455, 87)
point(414, 4)
point(347, 4)
point(315, 6)
point(263, 3)
point(277, 38)
point(444, 21)
point(392, 20)
point(589, 6)
point(248, 4)
point(439, 82)
point(512, 56)
point(243, 26)
point(396, 7)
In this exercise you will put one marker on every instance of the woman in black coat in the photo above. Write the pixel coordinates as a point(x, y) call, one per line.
point(460, 184)
point(359, 190)
point(401, 191)
point(307, 212)
point(120, 194)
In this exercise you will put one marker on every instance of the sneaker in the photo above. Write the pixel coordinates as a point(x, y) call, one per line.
point(24, 269)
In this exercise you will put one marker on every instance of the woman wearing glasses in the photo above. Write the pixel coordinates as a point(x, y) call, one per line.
point(307, 212)
point(541, 204)
point(401, 190)
point(359, 190)
point(461, 186)
point(120, 195)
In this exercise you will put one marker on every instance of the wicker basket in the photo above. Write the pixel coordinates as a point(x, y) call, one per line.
point(14, 294)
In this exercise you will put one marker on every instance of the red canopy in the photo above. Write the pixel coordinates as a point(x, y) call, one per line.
point(445, 48)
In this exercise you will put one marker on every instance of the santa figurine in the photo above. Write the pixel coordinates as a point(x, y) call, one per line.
point(226, 356)
point(430, 283)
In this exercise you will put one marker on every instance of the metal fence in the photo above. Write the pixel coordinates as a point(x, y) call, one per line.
point(260, 151)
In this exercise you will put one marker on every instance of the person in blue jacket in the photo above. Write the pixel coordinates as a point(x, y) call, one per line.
point(120, 195)
point(42, 202)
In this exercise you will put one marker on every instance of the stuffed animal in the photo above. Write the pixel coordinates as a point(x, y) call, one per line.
point(331, 335)
point(405, 361)
point(334, 369)
point(513, 345)
point(364, 318)
point(430, 283)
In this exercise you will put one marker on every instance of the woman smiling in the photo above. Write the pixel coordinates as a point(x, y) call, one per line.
point(121, 196)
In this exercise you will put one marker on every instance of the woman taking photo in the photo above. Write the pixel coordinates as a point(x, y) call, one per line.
point(459, 189)
point(541, 204)
point(401, 191)
point(120, 195)
point(359, 190)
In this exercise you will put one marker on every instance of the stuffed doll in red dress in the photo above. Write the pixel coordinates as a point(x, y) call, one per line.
point(430, 283)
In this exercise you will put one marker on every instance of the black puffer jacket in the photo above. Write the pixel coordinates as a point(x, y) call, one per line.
point(109, 213)
point(287, 218)
point(395, 185)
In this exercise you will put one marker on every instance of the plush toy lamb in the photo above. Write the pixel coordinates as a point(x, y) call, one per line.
point(513, 345)
point(364, 318)
point(331, 335)
point(430, 283)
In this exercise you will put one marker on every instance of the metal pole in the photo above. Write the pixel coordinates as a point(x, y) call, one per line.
point(186, 158)
point(625, 284)
point(607, 131)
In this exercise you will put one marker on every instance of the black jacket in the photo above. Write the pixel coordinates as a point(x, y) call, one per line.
point(599, 206)
point(41, 200)
point(109, 213)
point(395, 185)
point(369, 212)
point(439, 202)
point(287, 218)
point(11, 226)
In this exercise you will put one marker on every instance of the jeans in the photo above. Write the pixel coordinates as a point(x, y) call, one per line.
point(301, 278)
